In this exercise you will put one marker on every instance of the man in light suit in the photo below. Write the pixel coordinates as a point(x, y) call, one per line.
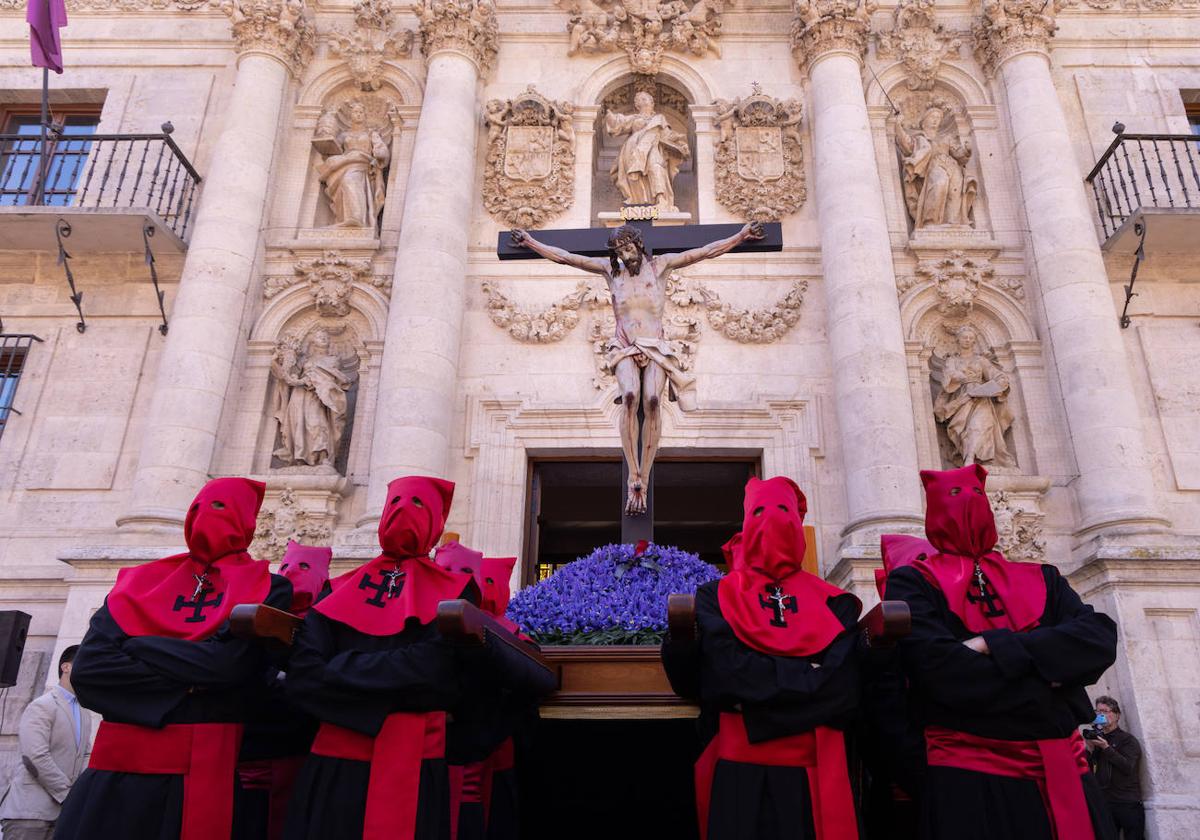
point(54, 737)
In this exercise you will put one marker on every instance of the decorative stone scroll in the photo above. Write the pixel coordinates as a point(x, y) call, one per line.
point(1020, 531)
point(286, 521)
point(822, 26)
point(918, 41)
point(644, 29)
point(687, 302)
point(330, 279)
point(759, 157)
point(371, 41)
point(465, 26)
point(958, 277)
point(281, 28)
point(529, 176)
point(1009, 27)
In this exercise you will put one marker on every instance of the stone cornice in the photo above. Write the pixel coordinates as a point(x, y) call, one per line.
point(820, 27)
point(282, 29)
point(467, 27)
point(1012, 27)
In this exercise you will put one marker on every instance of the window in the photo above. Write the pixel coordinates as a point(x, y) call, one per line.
point(21, 165)
point(13, 350)
point(1193, 117)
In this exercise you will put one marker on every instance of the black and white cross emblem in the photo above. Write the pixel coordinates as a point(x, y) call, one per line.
point(780, 603)
point(992, 607)
point(390, 586)
point(197, 605)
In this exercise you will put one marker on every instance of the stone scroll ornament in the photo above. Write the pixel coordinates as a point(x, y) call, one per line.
point(372, 41)
point(759, 156)
point(287, 521)
point(919, 42)
point(644, 29)
point(330, 278)
point(529, 176)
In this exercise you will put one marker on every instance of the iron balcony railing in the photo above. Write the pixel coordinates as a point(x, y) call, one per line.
point(1145, 170)
point(135, 171)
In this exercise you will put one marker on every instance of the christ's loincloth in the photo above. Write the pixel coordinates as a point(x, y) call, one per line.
point(666, 354)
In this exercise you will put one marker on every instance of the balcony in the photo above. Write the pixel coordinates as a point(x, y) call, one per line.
point(112, 191)
point(1147, 186)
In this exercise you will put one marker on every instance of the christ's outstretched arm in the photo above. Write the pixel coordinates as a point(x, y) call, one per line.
point(595, 265)
point(754, 230)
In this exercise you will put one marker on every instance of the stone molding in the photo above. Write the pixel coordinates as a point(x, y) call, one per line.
point(644, 32)
point(918, 41)
point(820, 27)
point(529, 173)
point(765, 180)
point(371, 41)
point(282, 29)
point(467, 27)
point(1012, 27)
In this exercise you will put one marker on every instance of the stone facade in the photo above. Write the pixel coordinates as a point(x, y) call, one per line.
point(825, 360)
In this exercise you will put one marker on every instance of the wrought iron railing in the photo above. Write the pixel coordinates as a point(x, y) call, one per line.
point(1145, 170)
point(135, 171)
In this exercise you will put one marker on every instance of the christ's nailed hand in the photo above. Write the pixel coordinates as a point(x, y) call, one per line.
point(519, 238)
point(754, 230)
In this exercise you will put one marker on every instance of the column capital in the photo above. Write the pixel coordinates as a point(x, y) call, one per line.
point(820, 27)
point(282, 29)
point(467, 27)
point(1012, 27)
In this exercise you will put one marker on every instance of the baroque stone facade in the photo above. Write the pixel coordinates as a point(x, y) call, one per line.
point(949, 287)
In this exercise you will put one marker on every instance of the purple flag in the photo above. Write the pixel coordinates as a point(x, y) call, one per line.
point(45, 18)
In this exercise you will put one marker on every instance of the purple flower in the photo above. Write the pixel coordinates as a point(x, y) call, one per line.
point(609, 597)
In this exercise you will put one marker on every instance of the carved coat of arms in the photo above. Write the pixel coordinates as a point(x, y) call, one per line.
point(759, 157)
point(529, 177)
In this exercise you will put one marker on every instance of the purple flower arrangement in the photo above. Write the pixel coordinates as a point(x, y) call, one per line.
point(611, 597)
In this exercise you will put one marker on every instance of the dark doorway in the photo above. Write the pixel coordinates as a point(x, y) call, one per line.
point(609, 780)
point(575, 506)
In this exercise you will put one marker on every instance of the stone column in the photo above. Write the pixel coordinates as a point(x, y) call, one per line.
point(415, 412)
point(1115, 489)
point(274, 41)
point(870, 377)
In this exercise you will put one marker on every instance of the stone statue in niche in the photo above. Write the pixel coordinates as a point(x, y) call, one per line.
point(973, 402)
point(938, 189)
point(355, 139)
point(650, 158)
point(310, 403)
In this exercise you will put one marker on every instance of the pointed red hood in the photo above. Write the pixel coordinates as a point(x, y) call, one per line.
point(160, 598)
point(307, 567)
point(767, 558)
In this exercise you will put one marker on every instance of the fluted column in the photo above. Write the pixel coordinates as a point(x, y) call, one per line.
point(1115, 488)
point(274, 41)
point(419, 371)
point(870, 377)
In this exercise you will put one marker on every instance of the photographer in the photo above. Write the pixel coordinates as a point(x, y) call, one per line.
point(1115, 755)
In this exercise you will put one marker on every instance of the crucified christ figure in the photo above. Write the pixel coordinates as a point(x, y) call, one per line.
point(639, 353)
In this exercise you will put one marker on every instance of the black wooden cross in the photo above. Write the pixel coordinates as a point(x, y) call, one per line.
point(593, 242)
point(778, 602)
point(197, 605)
point(390, 585)
point(991, 602)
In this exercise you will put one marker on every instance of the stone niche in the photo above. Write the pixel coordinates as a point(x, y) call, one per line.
point(672, 104)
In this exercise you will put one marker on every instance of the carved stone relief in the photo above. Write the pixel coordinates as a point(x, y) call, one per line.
point(287, 521)
point(759, 157)
point(1012, 26)
point(313, 373)
point(958, 278)
point(283, 28)
point(371, 41)
point(651, 155)
point(971, 393)
point(529, 176)
point(1019, 529)
point(465, 26)
point(644, 29)
point(939, 187)
point(687, 303)
point(918, 41)
point(821, 26)
point(355, 139)
point(330, 279)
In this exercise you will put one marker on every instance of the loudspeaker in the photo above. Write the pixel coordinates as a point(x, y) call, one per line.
point(14, 628)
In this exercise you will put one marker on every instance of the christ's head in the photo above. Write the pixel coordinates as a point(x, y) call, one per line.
point(626, 246)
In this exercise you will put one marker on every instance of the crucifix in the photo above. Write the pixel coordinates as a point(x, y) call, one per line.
point(779, 603)
point(390, 584)
point(635, 260)
point(992, 607)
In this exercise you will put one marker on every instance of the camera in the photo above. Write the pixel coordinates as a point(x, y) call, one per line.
point(1096, 730)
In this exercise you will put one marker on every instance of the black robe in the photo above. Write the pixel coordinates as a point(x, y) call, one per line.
point(778, 696)
point(1006, 695)
point(154, 681)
